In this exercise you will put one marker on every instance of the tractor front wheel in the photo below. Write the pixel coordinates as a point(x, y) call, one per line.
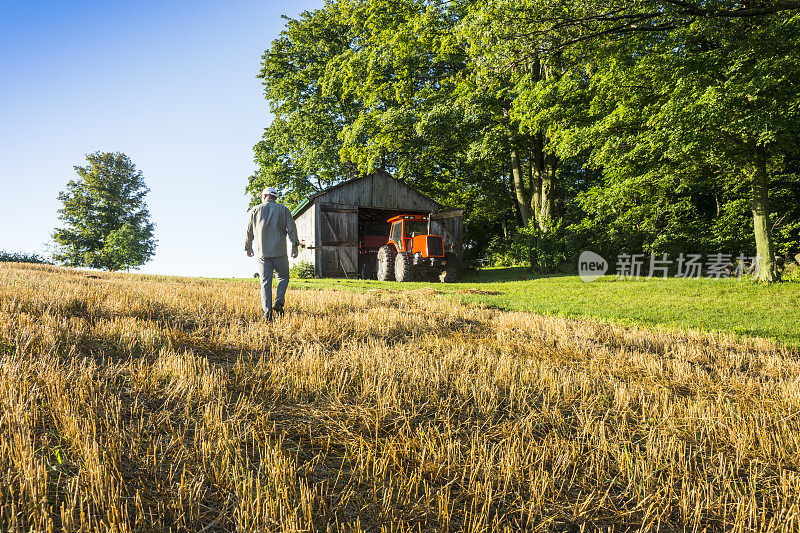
point(386, 263)
point(403, 268)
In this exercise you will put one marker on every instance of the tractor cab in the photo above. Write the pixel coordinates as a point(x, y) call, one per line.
point(412, 234)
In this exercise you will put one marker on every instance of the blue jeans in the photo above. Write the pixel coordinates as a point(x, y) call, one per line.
point(266, 265)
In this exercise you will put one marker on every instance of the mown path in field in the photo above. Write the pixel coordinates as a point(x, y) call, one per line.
point(135, 403)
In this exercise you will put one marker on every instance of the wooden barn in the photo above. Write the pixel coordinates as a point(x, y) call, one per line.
point(341, 228)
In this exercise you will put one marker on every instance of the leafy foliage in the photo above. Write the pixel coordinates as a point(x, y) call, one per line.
point(671, 101)
point(643, 126)
point(302, 270)
point(357, 86)
point(107, 223)
point(22, 257)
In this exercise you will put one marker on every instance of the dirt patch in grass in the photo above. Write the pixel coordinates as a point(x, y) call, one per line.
point(479, 292)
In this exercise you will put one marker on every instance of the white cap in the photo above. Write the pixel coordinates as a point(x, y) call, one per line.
point(270, 191)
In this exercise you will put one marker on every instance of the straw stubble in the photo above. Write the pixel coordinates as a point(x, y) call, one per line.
point(136, 403)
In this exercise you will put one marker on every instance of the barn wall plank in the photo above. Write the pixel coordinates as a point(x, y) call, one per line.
point(378, 190)
point(338, 237)
point(338, 224)
point(318, 269)
point(306, 233)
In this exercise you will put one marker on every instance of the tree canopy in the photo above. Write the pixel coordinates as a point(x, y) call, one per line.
point(651, 126)
point(106, 221)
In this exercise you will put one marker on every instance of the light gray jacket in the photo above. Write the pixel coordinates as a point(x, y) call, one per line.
point(269, 224)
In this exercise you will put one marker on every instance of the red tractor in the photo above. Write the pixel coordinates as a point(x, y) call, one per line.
point(414, 252)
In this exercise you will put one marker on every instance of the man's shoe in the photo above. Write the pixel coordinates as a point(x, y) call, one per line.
point(268, 316)
point(278, 310)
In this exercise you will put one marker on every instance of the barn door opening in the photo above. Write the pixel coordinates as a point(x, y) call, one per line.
point(338, 231)
point(373, 232)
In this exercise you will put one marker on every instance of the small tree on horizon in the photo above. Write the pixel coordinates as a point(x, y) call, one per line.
point(107, 223)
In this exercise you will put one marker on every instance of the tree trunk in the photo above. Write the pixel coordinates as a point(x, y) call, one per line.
point(537, 167)
point(547, 193)
point(510, 184)
point(765, 250)
point(523, 200)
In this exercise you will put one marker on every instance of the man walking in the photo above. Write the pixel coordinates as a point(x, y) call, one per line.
point(269, 223)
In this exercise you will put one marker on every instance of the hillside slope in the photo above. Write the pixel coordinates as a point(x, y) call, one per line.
point(135, 403)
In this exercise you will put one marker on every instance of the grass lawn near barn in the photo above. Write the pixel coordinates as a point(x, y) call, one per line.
point(741, 307)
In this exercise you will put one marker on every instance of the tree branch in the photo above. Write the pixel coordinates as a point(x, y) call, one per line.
point(623, 22)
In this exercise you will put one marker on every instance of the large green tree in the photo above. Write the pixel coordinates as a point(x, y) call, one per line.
point(361, 85)
point(106, 221)
point(664, 96)
point(299, 150)
point(641, 125)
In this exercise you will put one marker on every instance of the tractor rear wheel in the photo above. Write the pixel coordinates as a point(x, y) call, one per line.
point(403, 267)
point(452, 270)
point(386, 263)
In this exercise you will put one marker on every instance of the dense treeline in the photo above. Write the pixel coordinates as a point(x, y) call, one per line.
point(22, 257)
point(646, 126)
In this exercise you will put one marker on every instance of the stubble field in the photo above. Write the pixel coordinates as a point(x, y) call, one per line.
point(135, 403)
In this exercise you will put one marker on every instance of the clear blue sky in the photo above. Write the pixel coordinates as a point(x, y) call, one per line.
point(170, 83)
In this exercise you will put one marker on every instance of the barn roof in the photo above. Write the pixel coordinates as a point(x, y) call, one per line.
point(379, 173)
